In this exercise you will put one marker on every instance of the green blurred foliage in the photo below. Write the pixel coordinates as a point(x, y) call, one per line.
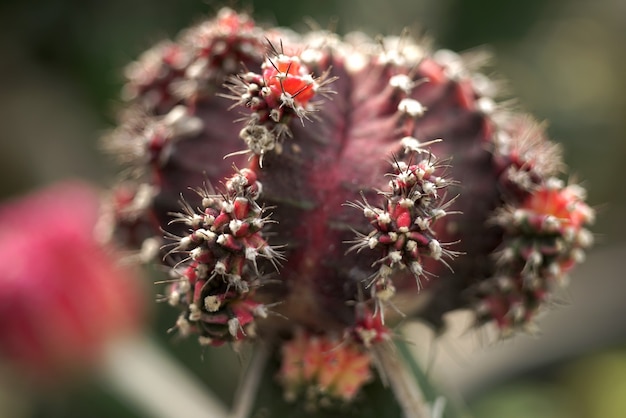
point(590, 387)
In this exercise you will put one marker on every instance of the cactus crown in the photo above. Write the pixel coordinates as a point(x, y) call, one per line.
point(377, 180)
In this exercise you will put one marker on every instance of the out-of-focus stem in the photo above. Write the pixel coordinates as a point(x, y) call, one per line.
point(246, 394)
point(145, 376)
point(403, 384)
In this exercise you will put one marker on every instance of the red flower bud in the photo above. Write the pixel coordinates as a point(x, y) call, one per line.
point(63, 295)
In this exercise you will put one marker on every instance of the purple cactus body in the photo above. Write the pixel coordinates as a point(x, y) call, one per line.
point(337, 183)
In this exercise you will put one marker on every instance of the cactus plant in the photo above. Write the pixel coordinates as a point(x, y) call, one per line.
point(311, 190)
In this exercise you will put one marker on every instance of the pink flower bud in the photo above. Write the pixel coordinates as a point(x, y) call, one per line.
point(318, 367)
point(63, 295)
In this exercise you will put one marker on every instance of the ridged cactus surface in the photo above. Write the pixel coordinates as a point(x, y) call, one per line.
point(312, 190)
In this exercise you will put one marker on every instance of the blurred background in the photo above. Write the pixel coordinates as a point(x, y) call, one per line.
point(61, 67)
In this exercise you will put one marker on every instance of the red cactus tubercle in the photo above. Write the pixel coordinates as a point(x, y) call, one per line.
point(337, 185)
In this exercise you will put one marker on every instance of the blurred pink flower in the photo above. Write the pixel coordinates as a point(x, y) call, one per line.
point(63, 294)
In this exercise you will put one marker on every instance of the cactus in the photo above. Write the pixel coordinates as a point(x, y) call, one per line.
point(309, 190)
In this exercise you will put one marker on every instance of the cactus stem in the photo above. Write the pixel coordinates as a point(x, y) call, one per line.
point(396, 375)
